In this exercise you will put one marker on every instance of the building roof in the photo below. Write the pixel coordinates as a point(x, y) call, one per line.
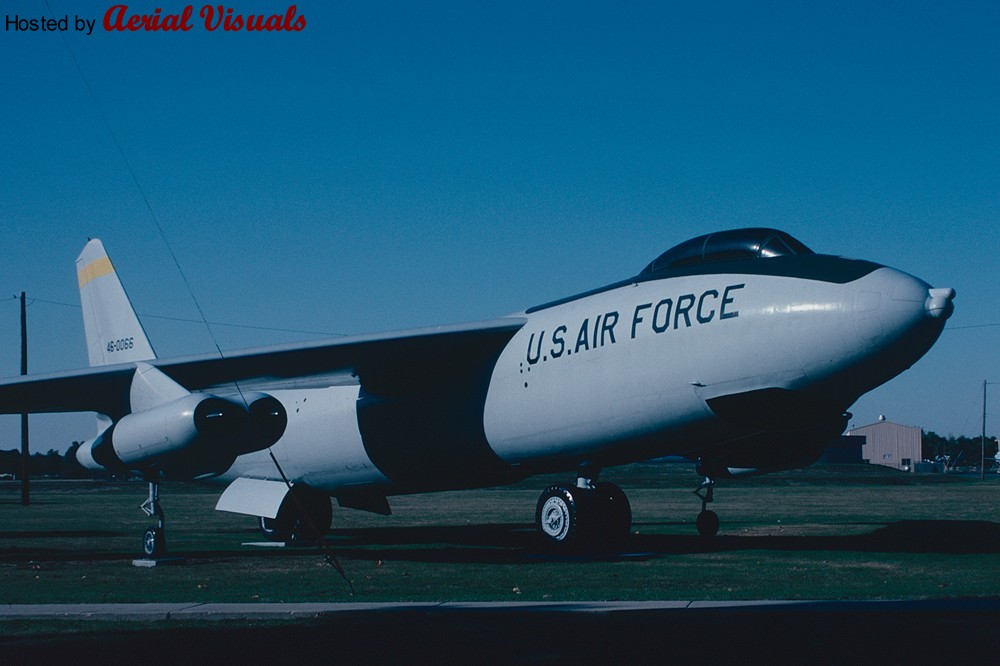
point(880, 424)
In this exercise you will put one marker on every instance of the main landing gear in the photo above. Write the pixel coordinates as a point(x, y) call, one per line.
point(154, 539)
point(305, 516)
point(591, 513)
point(707, 521)
point(587, 513)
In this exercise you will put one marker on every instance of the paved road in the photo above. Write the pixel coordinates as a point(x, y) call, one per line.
point(273, 611)
point(816, 632)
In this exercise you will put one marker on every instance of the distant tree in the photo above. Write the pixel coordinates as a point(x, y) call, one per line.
point(958, 451)
point(50, 464)
point(933, 446)
point(10, 462)
point(72, 469)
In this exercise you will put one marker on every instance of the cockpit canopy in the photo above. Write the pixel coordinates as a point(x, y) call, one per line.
point(732, 245)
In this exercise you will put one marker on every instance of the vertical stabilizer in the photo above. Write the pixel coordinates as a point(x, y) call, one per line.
point(114, 334)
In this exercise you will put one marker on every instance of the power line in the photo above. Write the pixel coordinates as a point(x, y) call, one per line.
point(142, 192)
point(191, 321)
point(958, 328)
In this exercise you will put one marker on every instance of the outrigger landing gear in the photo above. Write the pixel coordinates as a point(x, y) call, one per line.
point(154, 539)
point(707, 521)
point(584, 514)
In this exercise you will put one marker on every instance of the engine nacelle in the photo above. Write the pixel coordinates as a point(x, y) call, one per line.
point(267, 423)
point(197, 435)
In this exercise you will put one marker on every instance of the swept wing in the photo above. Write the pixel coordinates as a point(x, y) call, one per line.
point(396, 363)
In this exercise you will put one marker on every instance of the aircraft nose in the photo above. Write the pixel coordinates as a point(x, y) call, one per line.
point(915, 314)
point(912, 297)
point(898, 319)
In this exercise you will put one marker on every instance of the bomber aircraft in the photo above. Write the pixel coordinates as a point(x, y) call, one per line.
point(739, 350)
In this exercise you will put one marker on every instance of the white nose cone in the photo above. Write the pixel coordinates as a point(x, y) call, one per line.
point(939, 303)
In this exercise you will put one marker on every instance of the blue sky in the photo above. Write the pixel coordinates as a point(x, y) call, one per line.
point(407, 164)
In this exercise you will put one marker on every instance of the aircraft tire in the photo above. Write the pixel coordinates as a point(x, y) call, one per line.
point(557, 515)
point(320, 511)
point(290, 525)
point(277, 529)
point(707, 523)
point(154, 542)
point(615, 521)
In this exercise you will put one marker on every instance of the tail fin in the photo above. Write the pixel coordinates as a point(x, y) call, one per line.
point(114, 334)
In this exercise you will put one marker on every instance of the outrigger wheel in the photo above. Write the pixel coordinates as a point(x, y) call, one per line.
point(154, 542)
point(154, 539)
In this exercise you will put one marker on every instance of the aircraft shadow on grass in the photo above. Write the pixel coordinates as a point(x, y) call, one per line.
point(61, 534)
point(513, 543)
point(13, 551)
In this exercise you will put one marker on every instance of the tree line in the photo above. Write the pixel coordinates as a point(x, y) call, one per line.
point(955, 451)
point(52, 464)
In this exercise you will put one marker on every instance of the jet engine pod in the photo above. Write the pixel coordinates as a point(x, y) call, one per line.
point(215, 418)
point(197, 427)
point(267, 423)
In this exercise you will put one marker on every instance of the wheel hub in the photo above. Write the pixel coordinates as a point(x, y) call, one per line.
point(555, 518)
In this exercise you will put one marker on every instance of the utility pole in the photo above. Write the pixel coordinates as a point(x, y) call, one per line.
point(982, 442)
point(25, 460)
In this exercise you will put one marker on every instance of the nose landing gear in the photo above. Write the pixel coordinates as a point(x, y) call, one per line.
point(707, 521)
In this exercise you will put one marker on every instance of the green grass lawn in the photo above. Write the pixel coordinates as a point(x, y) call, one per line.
point(823, 533)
